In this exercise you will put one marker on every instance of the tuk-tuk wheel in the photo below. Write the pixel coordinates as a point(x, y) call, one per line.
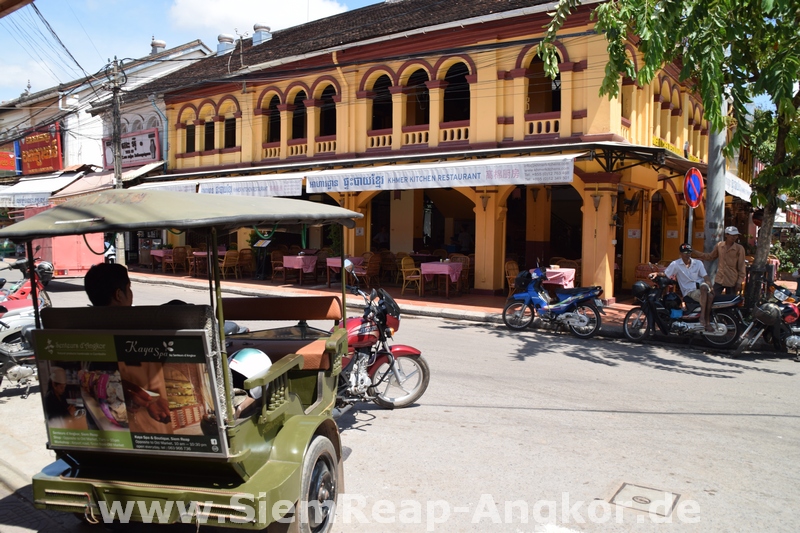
point(319, 487)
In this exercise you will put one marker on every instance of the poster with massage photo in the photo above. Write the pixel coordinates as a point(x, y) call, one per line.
point(129, 392)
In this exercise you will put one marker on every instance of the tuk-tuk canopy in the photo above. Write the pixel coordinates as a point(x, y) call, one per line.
point(132, 210)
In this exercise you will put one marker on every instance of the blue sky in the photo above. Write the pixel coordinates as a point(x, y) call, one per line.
point(95, 31)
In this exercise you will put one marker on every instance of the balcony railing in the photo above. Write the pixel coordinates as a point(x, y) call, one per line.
point(325, 144)
point(543, 123)
point(625, 129)
point(415, 135)
point(297, 147)
point(272, 150)
point(379, 139)
point(457, 131)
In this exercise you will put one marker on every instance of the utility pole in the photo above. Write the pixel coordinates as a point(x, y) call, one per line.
point(117, 79)
point(715, 192)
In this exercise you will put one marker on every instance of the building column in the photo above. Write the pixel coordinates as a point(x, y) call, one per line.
point(312, 125)
point(520, 102)
point(656, 114)
point(436, 92)
point(398, 115)
point(177, 139)
point(597, 253)
point(537, 219)
point(489, 242)
point(286, 111)
point(565, 122)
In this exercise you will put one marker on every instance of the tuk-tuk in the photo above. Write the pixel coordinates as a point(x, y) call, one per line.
point(248, 455)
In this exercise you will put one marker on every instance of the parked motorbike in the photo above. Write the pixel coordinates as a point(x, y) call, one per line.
point(578, 309)
point(17, 361)
point(664, 310)
point(776, 320)
point(21, 289)
point(393, 376)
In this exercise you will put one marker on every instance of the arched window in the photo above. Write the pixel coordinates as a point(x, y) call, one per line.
point(273, 121)
point(544, 94)
point(382, 104)
point(299, 116)
point(137, 126)
point(417, 99)
point(327, 112)
point(456, 94)
point(153, 122)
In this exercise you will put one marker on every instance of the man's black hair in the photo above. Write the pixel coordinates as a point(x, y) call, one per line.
point(102, 281)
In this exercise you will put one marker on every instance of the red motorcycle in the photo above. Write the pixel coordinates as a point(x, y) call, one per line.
point(17, 297)
point(392, 376)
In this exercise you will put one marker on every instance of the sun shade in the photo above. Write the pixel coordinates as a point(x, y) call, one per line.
point(125, 210)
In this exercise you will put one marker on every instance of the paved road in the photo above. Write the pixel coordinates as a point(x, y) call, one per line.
point(546, 425)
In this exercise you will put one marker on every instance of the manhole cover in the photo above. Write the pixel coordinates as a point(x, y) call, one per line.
point(659, 502)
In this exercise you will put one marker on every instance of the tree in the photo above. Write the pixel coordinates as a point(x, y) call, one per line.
point(730, 48)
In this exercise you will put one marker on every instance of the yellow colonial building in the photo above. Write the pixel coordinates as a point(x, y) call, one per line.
point(434, 118)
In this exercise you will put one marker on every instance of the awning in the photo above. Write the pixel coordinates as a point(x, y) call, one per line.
point(534, 170)
point(737, 187)
point(265, 185)
point(174, 186)
point(36, 191)
point(100, 181)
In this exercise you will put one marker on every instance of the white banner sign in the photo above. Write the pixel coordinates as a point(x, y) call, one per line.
point(517, 171)
point(30, 200)
point(268, 187)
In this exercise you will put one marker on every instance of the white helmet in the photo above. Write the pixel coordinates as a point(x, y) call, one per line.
point(245, 364)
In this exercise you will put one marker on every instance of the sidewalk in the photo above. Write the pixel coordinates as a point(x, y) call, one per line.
point(472, 307)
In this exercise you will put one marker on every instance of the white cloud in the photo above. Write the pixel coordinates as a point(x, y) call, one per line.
point(15, 79)
point(223, 16)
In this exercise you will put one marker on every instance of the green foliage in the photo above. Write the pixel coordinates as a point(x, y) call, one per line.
point(731, 49)
point(335, 236)
point(788, 253)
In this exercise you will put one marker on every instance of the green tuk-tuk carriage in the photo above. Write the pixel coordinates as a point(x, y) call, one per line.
point(274, 460)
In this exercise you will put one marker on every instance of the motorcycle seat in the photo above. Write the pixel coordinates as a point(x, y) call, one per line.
point(574, 290)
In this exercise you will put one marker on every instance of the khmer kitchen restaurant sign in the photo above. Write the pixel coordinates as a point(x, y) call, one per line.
point(139, 148)
point(535, 170)
point(41, 151)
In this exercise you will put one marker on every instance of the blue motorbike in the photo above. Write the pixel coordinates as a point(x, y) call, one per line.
point(578, 309)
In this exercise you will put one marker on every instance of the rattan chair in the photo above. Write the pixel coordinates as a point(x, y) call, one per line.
point(247, 261)
point(277, 265)
point(228, 263)
point(512, 270)
point(463, 280)
point(411, 274)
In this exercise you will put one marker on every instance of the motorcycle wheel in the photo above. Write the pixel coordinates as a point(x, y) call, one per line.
point(747, 338)
point(403, 387)
point(731, 324)
point(591, 313)
point(319, 489)
point(636, 325)
point(517, 315)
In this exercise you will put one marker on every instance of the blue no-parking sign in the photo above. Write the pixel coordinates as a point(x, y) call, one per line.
point(693, 187)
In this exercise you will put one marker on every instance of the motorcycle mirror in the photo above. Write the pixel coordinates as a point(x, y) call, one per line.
point(348, 265)
point(38, 247)
point(373, 294)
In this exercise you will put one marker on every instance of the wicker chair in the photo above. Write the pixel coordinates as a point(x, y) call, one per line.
point(441, 253)
point(247, 261)
point(388, 265)
point(229, 262)
point(322, 263)
point(177, 260)
point(411, 274)
point(463, 280)
point(371, 271)
point(294, 250)
point(512, 269)
point(277, 265)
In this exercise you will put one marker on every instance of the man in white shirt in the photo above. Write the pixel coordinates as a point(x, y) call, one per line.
point(693, 281)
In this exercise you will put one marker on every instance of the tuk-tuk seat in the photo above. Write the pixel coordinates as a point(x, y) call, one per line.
point(314, 350)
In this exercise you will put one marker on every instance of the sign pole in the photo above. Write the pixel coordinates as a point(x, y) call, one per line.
point(691, 223)
point(693, 195)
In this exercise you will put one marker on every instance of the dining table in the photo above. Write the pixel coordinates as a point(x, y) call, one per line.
point(424, 258)
point(200, 258)
point(302, 263)
point(334, 264)
point(561, 276)
point(157, 257)
point(439, 268)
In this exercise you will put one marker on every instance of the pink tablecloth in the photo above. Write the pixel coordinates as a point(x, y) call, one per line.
point(430, 269)
point(562, 276)
point(335, 263)
point(157, 256)
point(306, 263)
